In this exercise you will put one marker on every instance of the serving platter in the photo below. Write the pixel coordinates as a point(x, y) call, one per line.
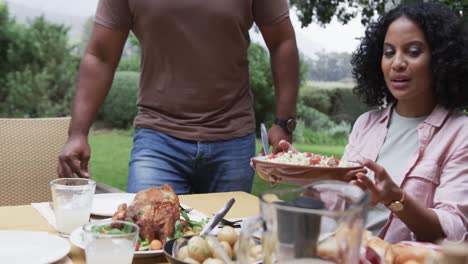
point(298, 174)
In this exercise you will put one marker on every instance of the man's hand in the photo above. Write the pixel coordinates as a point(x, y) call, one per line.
point(383, 189)
point(74, 159)
point(275, 135)
point(286, 146)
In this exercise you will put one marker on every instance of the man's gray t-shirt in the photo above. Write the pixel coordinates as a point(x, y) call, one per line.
point(194, 70)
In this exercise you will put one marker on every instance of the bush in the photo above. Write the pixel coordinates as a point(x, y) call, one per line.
point(261, 83)
point(298, 136)
point(322, 137)
point(314, 127)
point(120, 106)
point(131, 63)
point(339, 103)
point(37, 70)
point(340, 131)
point(313, 118)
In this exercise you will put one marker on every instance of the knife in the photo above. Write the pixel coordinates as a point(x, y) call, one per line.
point(265, 143)
point(217, 217)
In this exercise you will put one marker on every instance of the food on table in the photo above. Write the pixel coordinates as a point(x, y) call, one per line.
point(228, 234)
point(154, 210)
point(157, 212)
point(202, 250)
point(402, 253)
point(379, 251)
point(306, 159)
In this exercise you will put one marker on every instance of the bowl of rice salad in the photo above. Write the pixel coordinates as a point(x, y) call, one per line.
point(301, 168)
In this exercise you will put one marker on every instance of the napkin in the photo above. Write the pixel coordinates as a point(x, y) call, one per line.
point(46, 212)
point(65, 260)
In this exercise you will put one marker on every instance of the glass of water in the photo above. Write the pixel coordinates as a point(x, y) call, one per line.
point(110, 241)
point(72, 201)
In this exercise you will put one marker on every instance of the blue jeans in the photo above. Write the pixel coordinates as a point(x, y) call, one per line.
point(190, 166)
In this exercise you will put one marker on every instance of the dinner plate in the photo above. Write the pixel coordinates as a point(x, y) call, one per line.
point(77, 238)
point(297, 174)
point(106, 204)
point(17, 246)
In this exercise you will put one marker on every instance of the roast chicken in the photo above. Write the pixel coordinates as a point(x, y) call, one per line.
point(154, 210)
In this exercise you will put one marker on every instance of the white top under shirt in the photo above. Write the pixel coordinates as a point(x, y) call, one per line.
point(400, 144)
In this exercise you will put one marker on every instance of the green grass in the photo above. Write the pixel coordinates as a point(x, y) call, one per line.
point(110, 153)
point(327, 85)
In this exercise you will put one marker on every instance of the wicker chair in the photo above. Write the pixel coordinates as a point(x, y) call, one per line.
point(29, 150)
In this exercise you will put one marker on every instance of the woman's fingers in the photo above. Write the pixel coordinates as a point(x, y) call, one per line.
point(359, 184)
point(375, 193)
point(380, 173)
point(351, 175)
point(367, 182)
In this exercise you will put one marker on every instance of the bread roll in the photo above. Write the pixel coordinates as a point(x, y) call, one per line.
point(408, 254)
point(380, 247)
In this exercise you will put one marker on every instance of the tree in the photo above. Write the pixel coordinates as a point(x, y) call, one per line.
point(261, 82)
point(85, 36)
point(131, 56)
point(37, 70)
point(331, 66)
point(6, 40)
point(322, 11)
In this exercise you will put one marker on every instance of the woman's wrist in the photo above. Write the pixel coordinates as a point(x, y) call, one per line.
point(396, 194)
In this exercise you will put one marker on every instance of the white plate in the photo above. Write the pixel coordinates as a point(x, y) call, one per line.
point(31, 247)
point(76, 237)
point(106, 204)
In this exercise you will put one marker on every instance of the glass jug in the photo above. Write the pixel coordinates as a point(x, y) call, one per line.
point(321, 222)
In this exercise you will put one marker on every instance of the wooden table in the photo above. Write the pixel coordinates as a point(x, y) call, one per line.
point(25, 217)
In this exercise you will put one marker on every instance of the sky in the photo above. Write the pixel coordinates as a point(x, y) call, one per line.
point(332, 38)
point(335, 36)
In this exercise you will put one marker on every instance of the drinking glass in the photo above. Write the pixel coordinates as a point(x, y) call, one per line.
point(116, 246)
point(72, 200)
point(321, 222)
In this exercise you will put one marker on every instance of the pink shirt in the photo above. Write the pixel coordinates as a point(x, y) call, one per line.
point(436, 176)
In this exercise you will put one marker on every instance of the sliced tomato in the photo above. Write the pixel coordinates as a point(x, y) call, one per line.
point(137, 246)
point(308, 154)
point(333, 162)
point(315, 159)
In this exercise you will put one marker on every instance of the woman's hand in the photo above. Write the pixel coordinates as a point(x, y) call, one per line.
point(350, 176)
point(383, 189)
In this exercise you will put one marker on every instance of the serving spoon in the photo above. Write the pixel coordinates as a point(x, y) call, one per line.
point(214, 221)
point(265, 141)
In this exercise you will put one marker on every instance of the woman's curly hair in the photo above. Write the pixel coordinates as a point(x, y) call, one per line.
point(447, 36)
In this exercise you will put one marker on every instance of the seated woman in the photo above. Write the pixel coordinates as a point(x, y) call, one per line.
point(414, 60)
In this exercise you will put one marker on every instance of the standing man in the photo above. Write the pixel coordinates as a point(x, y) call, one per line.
point(195, 127)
